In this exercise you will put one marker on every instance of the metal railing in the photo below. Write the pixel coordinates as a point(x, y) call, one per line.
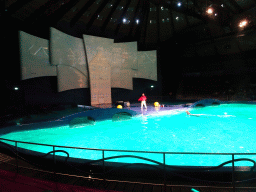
point(159, 165)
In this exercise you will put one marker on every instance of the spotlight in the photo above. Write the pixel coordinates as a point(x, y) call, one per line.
point(152, 86)
point(137, 21)
point(179, 4)
point(16, 88)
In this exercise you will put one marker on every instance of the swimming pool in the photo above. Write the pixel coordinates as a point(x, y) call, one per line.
point(226, 128)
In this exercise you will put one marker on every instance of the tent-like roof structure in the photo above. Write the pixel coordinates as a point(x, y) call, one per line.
point(149, 22)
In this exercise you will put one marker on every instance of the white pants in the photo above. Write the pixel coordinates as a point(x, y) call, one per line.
point(143, 103)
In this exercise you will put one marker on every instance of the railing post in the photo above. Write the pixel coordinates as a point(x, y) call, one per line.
point(54, 159)
point(164, 172)
point(233, 172)
point(17, 164)
point(103, 162)
point(54, 164)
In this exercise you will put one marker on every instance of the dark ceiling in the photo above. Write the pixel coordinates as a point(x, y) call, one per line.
point(149, 22)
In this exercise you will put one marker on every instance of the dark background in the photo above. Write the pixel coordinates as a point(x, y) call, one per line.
point(197, 56)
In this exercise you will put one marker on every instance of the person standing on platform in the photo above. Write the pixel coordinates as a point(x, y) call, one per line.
point(143, 100)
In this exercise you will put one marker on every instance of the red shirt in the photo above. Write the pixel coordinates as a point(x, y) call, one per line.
point(142, 98)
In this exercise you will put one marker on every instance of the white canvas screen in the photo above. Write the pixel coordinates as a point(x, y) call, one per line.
point(34, 52)
point(124, 55)
point(124, 61)
point(99, 61)
point(70, 78)
point(121, 78)
point(68, 53)
point(95, 45)
point(147, 65)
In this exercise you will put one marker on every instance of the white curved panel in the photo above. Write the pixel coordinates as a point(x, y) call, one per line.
point(124, 55)
point(124, 61)
point(99, 61)
point(34, 56)
point(70, 78)
point(68, 53)
point(66, 49)
point(95, 45)
point(147, 65)
point(121, 78)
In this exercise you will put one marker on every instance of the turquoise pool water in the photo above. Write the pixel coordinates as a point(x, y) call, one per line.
point(227, 128)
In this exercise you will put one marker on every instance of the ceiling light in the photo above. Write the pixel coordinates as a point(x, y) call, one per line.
point(126, 21)
point(243, 23)
point(210, 11)
point(137, 21)
point(179, 4)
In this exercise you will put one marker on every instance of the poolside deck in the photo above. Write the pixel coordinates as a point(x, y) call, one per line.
point(151, 110)
point(48, 115)
point(33, 180)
